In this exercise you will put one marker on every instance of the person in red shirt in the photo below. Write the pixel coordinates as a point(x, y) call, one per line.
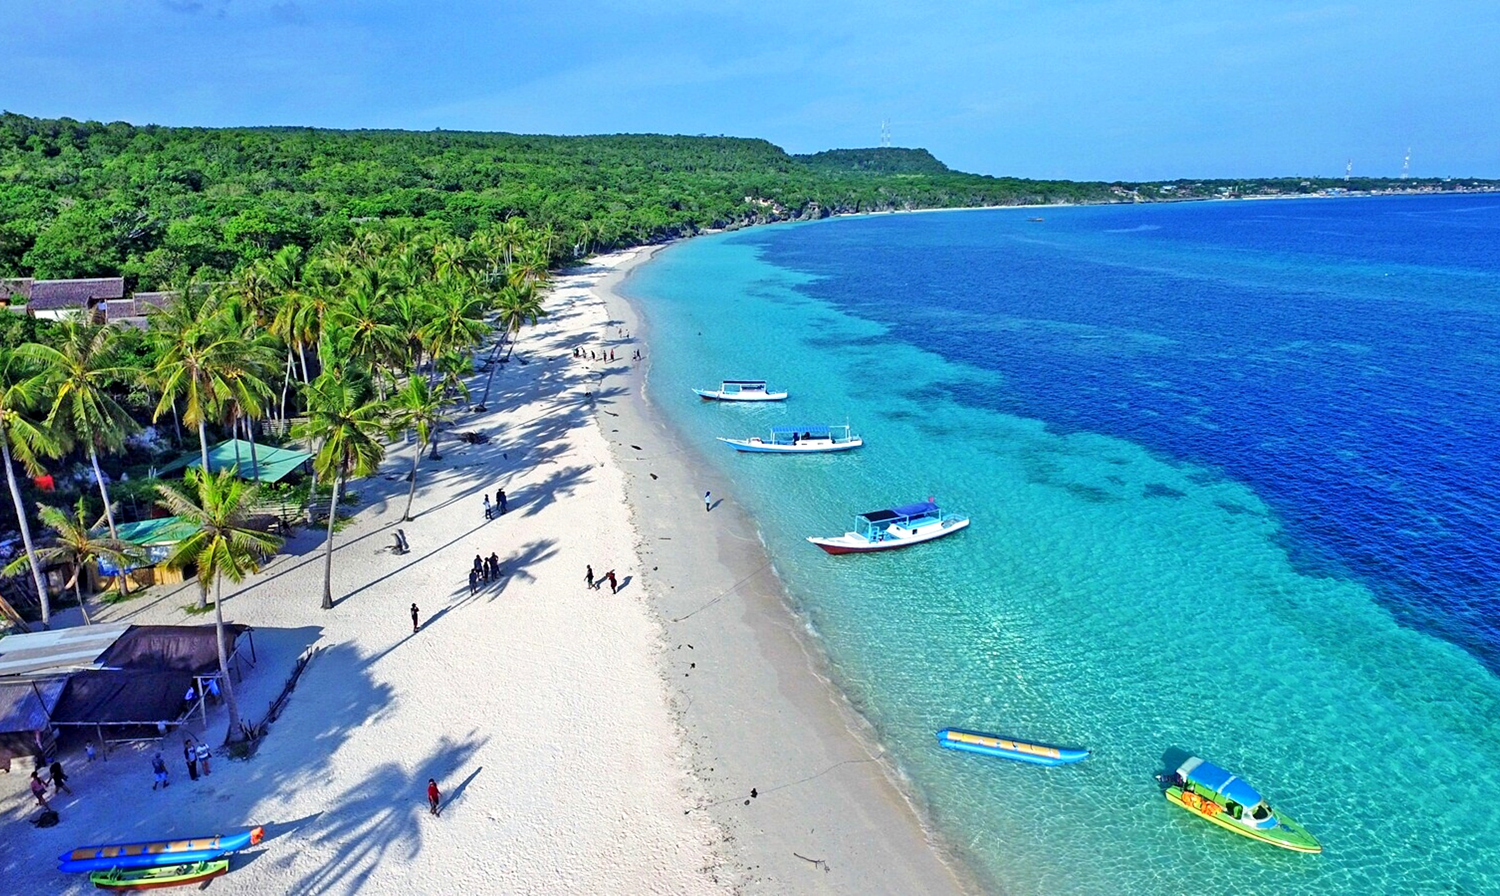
point(433, 795)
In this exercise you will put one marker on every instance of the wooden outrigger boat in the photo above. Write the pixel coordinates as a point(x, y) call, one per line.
point(1009, 748)
point(157, 878)
point(1210, 792)
point(741, 390)
point(898, 527)
point(799, 440)
point(157, 853)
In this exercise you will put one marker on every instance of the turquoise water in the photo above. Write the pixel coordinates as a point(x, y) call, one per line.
point(1132, 588)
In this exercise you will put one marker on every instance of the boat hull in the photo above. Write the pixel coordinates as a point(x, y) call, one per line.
point(716, 395)
point(1299, 841)
point(159, 878)
point(755, 446)
point(1009, 748)
point(853, 543)
point(157, 853)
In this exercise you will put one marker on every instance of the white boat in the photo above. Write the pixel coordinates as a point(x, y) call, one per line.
point(741, 390)
point(799, 440)
point(898, 527)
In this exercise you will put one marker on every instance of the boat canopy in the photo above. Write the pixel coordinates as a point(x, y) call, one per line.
point(1226, 784)
point(897, 513)
point(746, 383)
point(818, 432)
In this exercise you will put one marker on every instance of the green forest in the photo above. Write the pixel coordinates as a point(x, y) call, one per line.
point(81, 199)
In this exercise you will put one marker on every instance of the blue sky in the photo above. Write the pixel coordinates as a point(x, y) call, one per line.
point(1066, 88)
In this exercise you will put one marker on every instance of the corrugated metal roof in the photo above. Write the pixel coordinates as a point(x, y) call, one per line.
point(39, 654)
point(28, 706)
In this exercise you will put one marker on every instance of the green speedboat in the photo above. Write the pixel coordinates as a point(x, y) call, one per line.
point(1210, 792)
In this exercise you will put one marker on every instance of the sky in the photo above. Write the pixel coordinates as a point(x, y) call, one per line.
point(1078, 89)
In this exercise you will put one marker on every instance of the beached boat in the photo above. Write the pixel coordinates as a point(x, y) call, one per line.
point(157, 878)
point(1009, 748)
point(156, 853)
point(898, 527)
point(741, 390)
point(1210, 792)
point(799, 440)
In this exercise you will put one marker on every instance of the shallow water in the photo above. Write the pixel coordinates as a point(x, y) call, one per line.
point(1232, 475)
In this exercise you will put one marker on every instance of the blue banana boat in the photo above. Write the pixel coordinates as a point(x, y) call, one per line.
point(157, 853)
point(1008, 748)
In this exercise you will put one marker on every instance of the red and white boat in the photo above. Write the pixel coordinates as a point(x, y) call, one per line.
point(897, 527)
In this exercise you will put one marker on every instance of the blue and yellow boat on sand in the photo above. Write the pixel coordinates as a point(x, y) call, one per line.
point(1228, 801)
point(1009, 748)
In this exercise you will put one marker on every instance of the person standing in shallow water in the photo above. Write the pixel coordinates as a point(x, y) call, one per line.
point(434, 797)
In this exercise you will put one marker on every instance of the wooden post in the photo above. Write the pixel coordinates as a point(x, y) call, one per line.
point(103, 745)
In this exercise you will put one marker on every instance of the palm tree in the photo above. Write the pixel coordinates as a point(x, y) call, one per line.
point(80, 373)
point(76, 544)
point(22, 389)
point(519, 305)
point(417, 407)
point(223, 547)
point(197, 354)
point(458, 323)
point(363, 312)
point(342, 417)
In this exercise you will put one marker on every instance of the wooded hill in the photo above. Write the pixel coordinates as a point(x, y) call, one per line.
point(80, 199)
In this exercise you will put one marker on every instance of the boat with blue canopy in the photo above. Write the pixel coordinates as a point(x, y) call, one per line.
point(741, 390)
point(1009, 748)
point(799, 440)
point(1229, 801)
point(896, 527)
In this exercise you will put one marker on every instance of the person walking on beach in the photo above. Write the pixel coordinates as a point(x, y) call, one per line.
point(495, 565)
point(434, 797)
point(204, 754)
point(613, 588)
point(473, 582)
point(39, 790)
point(488, 513)
point(414, 612)
point(707, 502)
point(478, 564)
point(500, 499)
point(159, 767)
point(588, 575)
point(59, 777)
point(190, 756)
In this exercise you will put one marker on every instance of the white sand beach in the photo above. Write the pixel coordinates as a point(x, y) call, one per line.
point(579, 745)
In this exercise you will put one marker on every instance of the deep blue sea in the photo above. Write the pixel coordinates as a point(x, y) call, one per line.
point(1234, 479)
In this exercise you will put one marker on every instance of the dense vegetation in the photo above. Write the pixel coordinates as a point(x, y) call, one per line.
point(84, 199)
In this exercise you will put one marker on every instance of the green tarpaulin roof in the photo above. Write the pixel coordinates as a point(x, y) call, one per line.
point(275, 463)
point(167, 530)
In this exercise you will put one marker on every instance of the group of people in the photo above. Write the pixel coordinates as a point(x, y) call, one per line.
point(196, 755)
point(603, 355)
point(485, 570)
point(496, 509)
point(588, 578)
point(59, 782)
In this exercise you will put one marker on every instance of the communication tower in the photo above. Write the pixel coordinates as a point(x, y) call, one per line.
point(1406, 165)
point(1348, 168)
point(885, 133)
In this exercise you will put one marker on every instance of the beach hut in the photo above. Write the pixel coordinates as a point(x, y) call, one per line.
point(270, 464)
point(158, 537)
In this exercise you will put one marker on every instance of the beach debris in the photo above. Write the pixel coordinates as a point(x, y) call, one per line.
point(637, 447)
point(818, 862)
point(652, 475)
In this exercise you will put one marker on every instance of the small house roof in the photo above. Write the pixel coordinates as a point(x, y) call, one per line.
point(166, 530)
point(55, 652)
point(61, 295)
point(275, 464)
point(28, 705)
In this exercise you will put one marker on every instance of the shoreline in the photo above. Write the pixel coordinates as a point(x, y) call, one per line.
point(753, 695)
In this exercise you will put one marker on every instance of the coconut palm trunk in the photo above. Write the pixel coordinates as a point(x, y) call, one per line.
point(109, 514)
point(203, 444)
point(411, 492)
point(333, 507)
point(236, 727)
point(36, 569)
